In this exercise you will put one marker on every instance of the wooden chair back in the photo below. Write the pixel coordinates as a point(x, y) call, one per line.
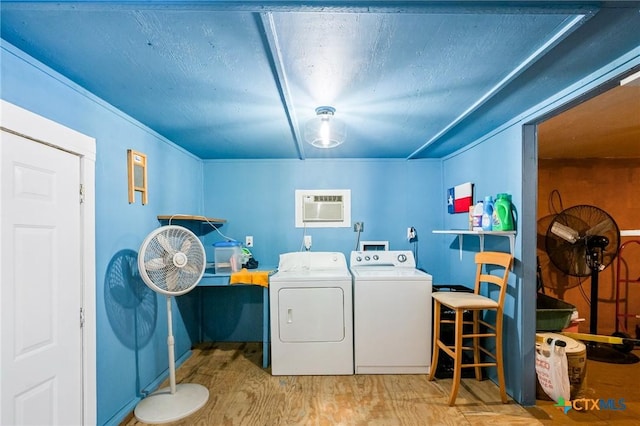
point(493, 258)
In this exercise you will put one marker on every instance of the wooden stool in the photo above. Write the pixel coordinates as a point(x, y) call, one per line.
point(476, 303)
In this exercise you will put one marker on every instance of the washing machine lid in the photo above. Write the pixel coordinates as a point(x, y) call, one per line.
point(388, 273)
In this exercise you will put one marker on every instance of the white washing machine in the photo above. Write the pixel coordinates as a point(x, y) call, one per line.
point(311, 312)
point(392, 313)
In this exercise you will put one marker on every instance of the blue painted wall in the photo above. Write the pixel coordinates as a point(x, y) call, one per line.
point(494, 166)
point(131, 319)
point(256, 197)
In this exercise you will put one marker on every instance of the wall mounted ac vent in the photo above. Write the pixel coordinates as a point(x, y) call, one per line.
point(327, 198)
point(323, 208)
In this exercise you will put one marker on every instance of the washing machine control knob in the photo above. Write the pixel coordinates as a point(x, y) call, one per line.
point(358, 259)
point(375, 257)
point(367, 258)
point(402, 258)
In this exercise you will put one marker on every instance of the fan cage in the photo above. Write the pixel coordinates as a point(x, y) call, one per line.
point(172, 260)
point(587, 220)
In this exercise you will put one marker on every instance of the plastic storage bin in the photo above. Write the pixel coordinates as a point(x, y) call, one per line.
point(552, 314)
point(228, 257)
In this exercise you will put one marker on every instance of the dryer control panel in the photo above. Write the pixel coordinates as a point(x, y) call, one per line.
point(396, 258)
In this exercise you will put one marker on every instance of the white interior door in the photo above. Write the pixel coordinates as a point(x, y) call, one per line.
point(41, 291)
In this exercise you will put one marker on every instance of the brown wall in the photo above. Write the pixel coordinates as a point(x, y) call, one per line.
point(613, 186)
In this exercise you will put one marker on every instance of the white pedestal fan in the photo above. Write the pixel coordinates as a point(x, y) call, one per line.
point(171, 261)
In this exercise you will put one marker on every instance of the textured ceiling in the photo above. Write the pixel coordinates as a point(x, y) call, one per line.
point(606, 126)
point(239, 79)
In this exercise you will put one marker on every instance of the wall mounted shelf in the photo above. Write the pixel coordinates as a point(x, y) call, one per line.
point(481, 234)
point(200, 225)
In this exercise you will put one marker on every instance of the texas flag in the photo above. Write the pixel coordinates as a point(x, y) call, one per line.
point(460, 198)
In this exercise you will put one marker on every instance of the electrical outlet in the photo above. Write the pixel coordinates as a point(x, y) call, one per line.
point(307, 242)
point(411, 233)
point(358, 227)
point(248, 241)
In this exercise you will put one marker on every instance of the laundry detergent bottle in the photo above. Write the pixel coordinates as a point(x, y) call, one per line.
point(487, 215)
point(502, 214)
point(478, 211)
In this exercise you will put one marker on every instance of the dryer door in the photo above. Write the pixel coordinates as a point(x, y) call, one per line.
point(311, 314)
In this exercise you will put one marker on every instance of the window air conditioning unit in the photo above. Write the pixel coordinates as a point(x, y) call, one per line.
point(323, 208)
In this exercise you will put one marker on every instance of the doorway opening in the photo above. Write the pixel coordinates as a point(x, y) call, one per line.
point(586, 152)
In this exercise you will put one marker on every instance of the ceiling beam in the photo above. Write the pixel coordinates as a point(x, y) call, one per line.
point(571, 25)
point(337, 6)
point(274, 54)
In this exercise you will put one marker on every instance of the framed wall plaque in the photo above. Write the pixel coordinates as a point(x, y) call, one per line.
point(137, 171)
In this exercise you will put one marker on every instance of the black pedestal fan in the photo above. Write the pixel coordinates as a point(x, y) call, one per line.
point(582, 241)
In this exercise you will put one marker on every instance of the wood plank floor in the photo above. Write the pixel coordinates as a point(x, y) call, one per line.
point(243, 393)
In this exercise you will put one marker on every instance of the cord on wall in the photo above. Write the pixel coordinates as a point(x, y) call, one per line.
point(359, 228)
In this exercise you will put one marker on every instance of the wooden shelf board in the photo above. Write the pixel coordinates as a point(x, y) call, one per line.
point(195, 218)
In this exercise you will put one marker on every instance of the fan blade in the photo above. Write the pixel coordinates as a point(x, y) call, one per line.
point(599, 229)
point(186, 245)
point(566, 233)
point(172, 279)
point(191, 268)
point(154, 264)
point(164, 242)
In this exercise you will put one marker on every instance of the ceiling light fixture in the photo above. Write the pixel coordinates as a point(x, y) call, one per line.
point(324, 130)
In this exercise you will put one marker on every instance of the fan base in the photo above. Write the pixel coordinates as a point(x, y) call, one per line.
point(163, 407)
point(604, 353)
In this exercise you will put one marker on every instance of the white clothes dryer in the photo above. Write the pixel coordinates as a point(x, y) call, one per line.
point(311, 313)
point(392, 313)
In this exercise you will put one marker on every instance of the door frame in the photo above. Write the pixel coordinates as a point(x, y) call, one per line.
point(42, 130)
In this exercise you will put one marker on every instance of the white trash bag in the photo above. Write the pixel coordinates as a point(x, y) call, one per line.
point(552, 369)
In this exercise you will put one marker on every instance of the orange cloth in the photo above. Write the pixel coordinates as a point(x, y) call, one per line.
point(255, 277)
